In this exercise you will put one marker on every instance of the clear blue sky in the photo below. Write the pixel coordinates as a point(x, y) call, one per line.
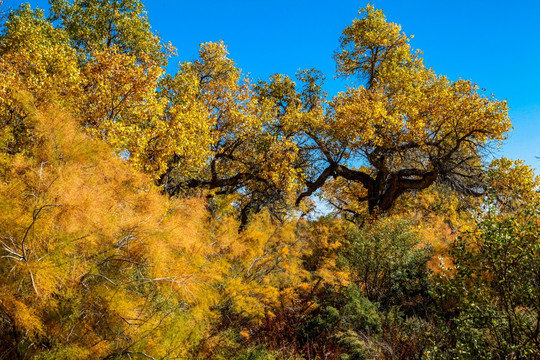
point(494, 43)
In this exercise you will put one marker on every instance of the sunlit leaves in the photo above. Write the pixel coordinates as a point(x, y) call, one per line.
point(98, 25)
point(408, 126)
point(36, 61)
point(370, 45)
point(145, 215)
point(90, 258)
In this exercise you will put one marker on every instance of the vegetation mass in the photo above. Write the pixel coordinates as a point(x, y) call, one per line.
point(146, 215)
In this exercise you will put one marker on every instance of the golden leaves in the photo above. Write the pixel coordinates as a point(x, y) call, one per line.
point(120, 91)
point(369, 45)
point(95, 259)
point(81, 220)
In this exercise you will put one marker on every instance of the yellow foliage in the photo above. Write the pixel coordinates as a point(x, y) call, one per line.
point(77, 219)
point(101, 258)
point(23, 316)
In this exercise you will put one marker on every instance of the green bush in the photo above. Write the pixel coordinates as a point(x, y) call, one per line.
point(492, 298)
point(387, 261)
point(360, 314)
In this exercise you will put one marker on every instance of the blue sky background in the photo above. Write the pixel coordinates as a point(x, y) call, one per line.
point(494, 43)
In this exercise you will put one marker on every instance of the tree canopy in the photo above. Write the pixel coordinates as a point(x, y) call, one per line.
point(408, 126)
